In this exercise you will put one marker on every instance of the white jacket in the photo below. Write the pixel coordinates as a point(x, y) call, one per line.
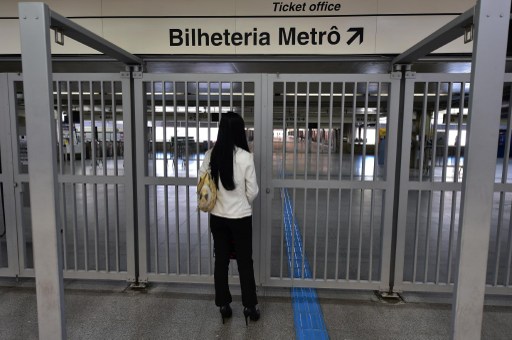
point(237, 202)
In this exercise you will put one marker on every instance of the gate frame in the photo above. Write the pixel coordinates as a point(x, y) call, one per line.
point(406, 185)
point(388, 185)
point(36, 20)
point(143, 180)
point(18, 179)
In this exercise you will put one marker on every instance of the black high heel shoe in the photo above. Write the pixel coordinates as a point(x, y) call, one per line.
point(251, 312)
point(225, 312)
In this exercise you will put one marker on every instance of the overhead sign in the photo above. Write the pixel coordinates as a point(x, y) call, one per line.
point(329, 33)
point(314, 27)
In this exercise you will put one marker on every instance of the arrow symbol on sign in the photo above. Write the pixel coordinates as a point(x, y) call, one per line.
point(358, 33)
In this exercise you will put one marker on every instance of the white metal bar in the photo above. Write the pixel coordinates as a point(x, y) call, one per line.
point(340, 176)
point(94, 133)
point(436, 119)
point(63, 216)
point(509, 251)
point(427, 239)
point(75, 226)
point(141, 148)
point(306, 169)
point(360, 236)
point(318, 142)
point(304, 216)
point(61, 161)
point(295, 142)
point(294, 205)
point(416, 236)
point(329, 142)
point(116, 173)
point(283, 175)
point(116, 228)
point(423, 123)
point(36, 63)
point(82, 125)
point(365, 127)
point(242, 90)
point(176, 191)
point(440, 226)
point(439, 38)
point(393, 108)
point(166, 187)
point(153, 128)
point(353, 132)
point(210, 250)
point(71, 127)
point(489, 48)
point(342, 128)
point(198, 164)
point(187, 168)
point(451, 236)
point(96, 226)
point(86, 37)
point(308, 132)
point(328, 178)
point(60, 142)
point(349, 235)
point(318, 132)
point(458, 141)
point(447, 128)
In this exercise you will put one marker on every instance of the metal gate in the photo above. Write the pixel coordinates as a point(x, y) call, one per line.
point(92, 116)
point(330, 146)
point(325, 148)
point(434, 134)
point(177, 119)
point(499, 264)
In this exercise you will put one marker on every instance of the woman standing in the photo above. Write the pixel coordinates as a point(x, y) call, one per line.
point(232, 167)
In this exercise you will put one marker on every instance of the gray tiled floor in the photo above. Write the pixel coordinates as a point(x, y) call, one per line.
point(110, 311)
point(107, 311)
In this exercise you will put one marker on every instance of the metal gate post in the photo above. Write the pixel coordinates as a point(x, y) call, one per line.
point(265, 175)
point(489, 52)
point(393, 169)
point(37, 81)
point(8, 224)
point(131, 172)
point(401, 178)
point(140, 148)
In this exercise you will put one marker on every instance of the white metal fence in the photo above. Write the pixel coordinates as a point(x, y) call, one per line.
point(435, 122)
point(326, 220)
point(92, 116)
point(325, 148)
point(177, 121)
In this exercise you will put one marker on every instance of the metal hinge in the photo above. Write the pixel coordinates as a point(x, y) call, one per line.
point(468, 33)
point(134, 71)
point(410, 74)
point(396, 75)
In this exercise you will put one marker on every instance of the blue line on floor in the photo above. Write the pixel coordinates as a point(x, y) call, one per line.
point(308, 317)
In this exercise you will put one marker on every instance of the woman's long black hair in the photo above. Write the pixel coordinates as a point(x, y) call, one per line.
point(231, 134)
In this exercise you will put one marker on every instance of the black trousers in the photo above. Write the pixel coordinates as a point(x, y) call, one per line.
point(240, 231)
